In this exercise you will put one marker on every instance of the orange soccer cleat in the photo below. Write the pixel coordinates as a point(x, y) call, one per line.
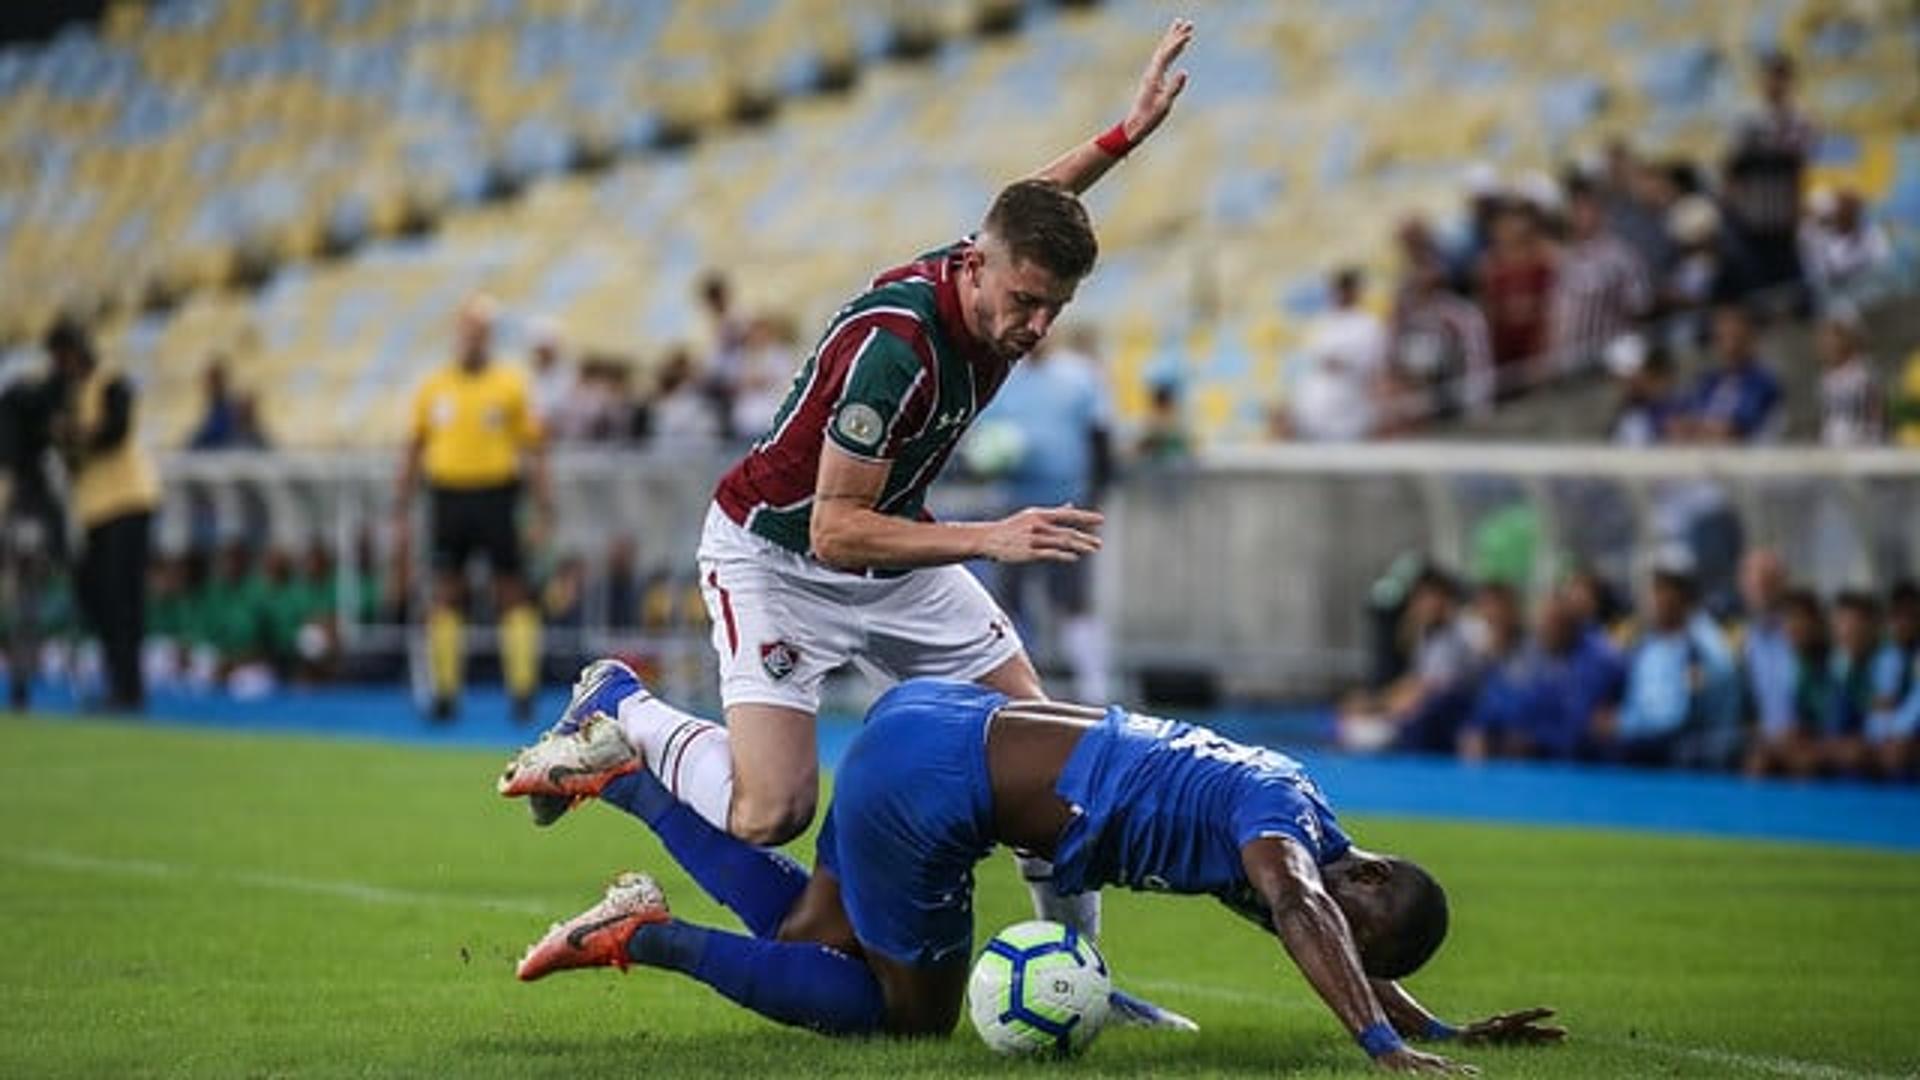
point(567, 768)
point(597, 937)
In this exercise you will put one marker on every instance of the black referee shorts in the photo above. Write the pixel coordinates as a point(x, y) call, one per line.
point(469, 520)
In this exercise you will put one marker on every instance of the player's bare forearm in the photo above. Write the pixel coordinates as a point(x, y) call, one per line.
point(852, 535)
point(847, 531)
point(1081, 167)
point(1313, 929)
point(1410, 1018)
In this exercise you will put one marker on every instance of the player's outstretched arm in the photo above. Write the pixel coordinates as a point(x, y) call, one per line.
point(1079, 168)
point(1315, 932)
point(848, 532)
point(1414, 1021)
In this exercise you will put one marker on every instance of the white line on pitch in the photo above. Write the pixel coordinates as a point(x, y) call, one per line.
point(345, 890)
point(1777, 1066)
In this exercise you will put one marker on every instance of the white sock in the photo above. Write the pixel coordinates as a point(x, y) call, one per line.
point(1080, 911)
point(691, 756)
point(1084, 641)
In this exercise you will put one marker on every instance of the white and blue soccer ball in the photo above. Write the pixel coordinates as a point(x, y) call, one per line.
point(1039, 988)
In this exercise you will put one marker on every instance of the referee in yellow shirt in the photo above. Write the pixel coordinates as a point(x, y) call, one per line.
point(475, 439)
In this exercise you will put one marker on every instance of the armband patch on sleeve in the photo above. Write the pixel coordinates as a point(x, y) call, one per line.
point(860, 424)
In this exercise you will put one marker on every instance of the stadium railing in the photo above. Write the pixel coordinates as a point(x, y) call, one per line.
point(1250, 568)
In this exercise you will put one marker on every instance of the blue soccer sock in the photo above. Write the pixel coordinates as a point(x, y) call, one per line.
point(802, 983)
point(755, 883)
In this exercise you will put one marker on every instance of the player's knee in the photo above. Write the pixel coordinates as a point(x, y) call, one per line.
point(769, 820)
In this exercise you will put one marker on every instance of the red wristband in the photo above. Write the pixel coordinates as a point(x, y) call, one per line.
point(1114, 142)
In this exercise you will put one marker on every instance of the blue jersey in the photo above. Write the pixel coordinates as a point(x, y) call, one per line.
point(1167, 806)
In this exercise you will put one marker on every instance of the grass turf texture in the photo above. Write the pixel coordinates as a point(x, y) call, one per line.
point(183, 902)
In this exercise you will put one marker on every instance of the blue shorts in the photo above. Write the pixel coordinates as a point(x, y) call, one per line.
point(912, 813)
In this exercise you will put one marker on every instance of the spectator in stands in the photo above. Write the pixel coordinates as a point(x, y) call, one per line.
point(1336, 392)
point(1639, 195)
point(767, 363)
point(115, 488)
point(1701, 275)
point(1644, 374)
point(1055, 400)
point(297, 618)
point(1793, 748)
point(1164, 437)
point(1738, 401)
point(1515, 285)
point(1895, 715)
point(1441, 346)
point(1844, 253)
point(682, 411)
point(728, 331)
point(233, 602)
point(168, 637)
point(563, 600)
point(1566, 682)
point(1493, 724)
point(1424, 708)
point(1764, 178)
point(1856, 643)
point(1852, 411)
point(217, 417)
point(1596, 603)
point(334, 602)
point(552, 380)
point(1681, 700)
point(622, 589)
point(726, 349)
point(248, 433)
point(1769, 659)
point(584, 413)
point(1600, 289)
point(1485, 199)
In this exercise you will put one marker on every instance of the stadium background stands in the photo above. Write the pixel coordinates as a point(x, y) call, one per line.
point(310, 186)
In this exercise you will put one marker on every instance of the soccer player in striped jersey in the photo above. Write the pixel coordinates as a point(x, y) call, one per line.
point(818, 549)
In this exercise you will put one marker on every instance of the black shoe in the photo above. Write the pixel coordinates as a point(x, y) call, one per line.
point(441, 711)
point(523, 711)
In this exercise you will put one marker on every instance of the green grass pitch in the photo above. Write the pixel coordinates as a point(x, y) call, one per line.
point(180, 902)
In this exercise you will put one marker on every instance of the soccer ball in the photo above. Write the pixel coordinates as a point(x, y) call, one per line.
point(1038, 988)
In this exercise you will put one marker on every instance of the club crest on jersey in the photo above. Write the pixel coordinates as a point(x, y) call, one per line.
point(779, 658)
point(860, 423)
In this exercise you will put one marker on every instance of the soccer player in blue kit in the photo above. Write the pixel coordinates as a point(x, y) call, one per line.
point(879, 938)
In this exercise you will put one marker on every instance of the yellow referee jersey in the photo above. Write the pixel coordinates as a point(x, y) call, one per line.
point(474, 425)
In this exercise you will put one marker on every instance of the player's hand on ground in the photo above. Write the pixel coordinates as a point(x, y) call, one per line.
point(1157, 88)
point(1050, 533)
point(1408, 1060)
point(1513, 1029)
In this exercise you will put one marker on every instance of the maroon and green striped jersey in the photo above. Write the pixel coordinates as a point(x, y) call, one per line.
point(896, 378)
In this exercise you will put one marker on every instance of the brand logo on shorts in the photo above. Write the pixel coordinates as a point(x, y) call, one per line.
point(779, 658)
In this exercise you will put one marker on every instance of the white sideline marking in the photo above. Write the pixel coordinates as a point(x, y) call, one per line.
point(1777, 1066)
point(346, 890)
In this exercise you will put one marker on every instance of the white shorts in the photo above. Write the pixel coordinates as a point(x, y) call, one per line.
point(782, 621)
